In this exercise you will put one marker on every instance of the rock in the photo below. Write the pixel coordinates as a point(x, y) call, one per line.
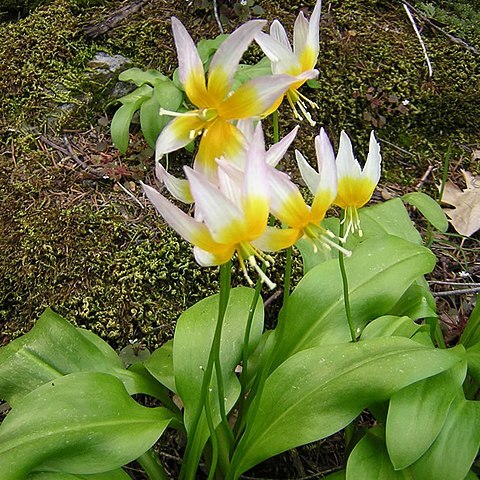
point(106, 67)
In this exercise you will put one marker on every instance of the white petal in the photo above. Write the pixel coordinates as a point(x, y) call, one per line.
point(326, 163)
point(177, 187)
point(277, 31)
point(182, 223)
point(204, 258)
point(255, 178)
point(188, 59)
point(230, 180)
point(216, 209)
point(246, 126)
point(314, 27)
point(347, 165)
point(300, 32)
point(231, 50)
point(275, 51)
point(308, 173)
point(278, 150)
point(373, 164)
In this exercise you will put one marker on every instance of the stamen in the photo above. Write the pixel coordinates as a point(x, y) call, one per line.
point(306, 113)
point(261, 273)
point(171, 113)
point(329, 243)
point(310, 102)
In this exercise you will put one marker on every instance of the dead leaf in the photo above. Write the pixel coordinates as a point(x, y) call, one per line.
point(465, 217)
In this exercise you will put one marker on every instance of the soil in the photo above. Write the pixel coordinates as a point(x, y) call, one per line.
point(76, 233)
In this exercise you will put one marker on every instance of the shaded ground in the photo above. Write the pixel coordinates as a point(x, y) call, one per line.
point(77, 235)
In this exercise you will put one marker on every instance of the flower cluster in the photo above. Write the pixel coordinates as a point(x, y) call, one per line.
point(234, 183)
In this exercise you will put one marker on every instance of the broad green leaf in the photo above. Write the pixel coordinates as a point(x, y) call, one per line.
point(417, 413)
point(168, 96)
point(471, 476)
point(455, 448)
point(471, 334)
point(369, 460)
point(120, 126)
point(83, 423)
point(390, 325)
point(318, 391)
point(341, 475)
point(429, 208)
point(151, 122)
point(54, 348)
point(160, 365)
point(417, 302)
point(248, 72)
point(473, 359)
point(388, 218)
point(140, 77)
point(378, 273)
point(191, 346)
point(113, 475)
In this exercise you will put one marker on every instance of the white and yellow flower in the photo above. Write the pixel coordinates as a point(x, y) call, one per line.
point(230, 217)
point(356, 186)
point(288, 205)
point(298, 61)
point(217, 107)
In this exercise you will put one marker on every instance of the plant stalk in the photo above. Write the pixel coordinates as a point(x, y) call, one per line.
point(152, 467)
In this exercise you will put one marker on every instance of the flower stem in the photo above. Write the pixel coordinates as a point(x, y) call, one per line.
point(152, 467)
point(276, 130)
point(346, 292)
point(188, 470)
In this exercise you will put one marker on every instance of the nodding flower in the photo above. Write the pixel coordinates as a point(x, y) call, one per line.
point(298, 61)
point(288, 205)
point(356, 186)
point(230, 217)
point(216, 105)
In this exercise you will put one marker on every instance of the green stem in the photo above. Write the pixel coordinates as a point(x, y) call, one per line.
point(346, 293)
point(188, 470)
point(269, 353)
point(213, 438)
point(152, 467)
point(276, 129)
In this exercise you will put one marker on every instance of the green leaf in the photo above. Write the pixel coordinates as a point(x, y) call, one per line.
point(54, 348)
point(248, 72)
point(140, 77)
point(471, 334)
point(417, 413)
point(340, 475)
point(429, 208)
point(113, 475)
point(191, 347)
point(160, 365)
point(168, 96)
point(473, 359)
point(151, 122)
point(120, 126)
point(369, 459)
point(83, 423)
point(379, 272)
point(417, 302)
point(392, 326)
point(318, 391)
point(388, 218)
point(455, 448)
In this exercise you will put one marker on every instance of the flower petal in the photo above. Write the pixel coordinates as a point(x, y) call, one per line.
point(255, 188)
point(300, 33)
point(178, 188)
point(188, 228)
point(347, 165)
point(326, 191)
point(372, 168)
point(176, 134)
point(275, 239)
point(224, 219)
point(190, 67)
point(220, 139)
point(277, 52)
point(309, 54)
point(278, 33)
point(278, 150)
point(209, 259)
point(225, 61)
point(308, 173)
point(255, 97)
point(286, 201)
